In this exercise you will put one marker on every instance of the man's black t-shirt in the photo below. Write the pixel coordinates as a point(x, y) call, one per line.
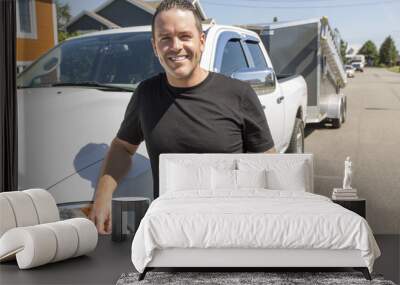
point(219, 115)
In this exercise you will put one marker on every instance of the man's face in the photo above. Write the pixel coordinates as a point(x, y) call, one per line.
point(178, 43)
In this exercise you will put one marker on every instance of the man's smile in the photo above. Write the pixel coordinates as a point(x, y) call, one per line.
point(178, 58)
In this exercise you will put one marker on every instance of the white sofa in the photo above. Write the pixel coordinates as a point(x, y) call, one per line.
point(31, 233)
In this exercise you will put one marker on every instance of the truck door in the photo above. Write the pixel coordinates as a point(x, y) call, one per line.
point(240, 52)
point(270, 97)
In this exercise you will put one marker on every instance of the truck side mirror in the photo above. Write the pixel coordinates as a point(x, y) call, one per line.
point(257, 78)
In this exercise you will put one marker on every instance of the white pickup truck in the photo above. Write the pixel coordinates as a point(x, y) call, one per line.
point(72, 100)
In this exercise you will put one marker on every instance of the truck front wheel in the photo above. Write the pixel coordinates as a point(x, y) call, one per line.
point(296, 144)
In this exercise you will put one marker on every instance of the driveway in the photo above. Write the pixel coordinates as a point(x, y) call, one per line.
point(371, 137)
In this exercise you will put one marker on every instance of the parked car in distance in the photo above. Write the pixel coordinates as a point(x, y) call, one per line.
point(72, 100)
point(350, 70)
point(359, 66)
point(359, 58)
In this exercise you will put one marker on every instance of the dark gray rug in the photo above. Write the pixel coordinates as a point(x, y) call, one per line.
point(244, 278)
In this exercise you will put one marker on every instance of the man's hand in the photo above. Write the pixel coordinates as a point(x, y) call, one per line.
point(271, 150)
point(114, 168)
point(101, 213)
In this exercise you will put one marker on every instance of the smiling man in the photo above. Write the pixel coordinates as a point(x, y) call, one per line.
point(178, 42)
point(185, 110)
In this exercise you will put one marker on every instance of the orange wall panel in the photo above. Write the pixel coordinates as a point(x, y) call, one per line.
point(31, 49)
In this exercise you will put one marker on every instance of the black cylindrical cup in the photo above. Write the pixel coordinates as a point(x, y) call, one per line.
point(123, 209)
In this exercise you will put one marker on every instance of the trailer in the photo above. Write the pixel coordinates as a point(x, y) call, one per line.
point(312, 49)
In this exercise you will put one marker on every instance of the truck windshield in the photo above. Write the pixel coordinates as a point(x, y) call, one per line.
point(122, 60)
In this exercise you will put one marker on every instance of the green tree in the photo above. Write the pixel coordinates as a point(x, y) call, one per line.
point(62, 36)
point(63, 17)
point(388, 52)
point(371, 53)
point(343, 49)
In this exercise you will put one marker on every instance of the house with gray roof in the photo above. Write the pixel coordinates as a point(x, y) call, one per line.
point(120, 13)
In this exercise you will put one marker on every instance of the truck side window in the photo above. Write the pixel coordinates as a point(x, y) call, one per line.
point(233, 58)
point(257, 55)
point(260, 64)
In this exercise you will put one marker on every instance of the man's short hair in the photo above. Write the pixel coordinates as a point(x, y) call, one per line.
point(185, 5)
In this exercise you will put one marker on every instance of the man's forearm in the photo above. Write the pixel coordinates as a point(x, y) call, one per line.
point(115, 166)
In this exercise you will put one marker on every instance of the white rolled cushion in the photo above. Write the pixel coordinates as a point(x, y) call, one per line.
point(7, 218)
point(33, 245)
point(293, 178)
point(183, 178)
point(67, 240)
point(45, 205)
point(251, 178)
point(223, 179)
point(23, 208)
point(87, 235)
point(40, 244)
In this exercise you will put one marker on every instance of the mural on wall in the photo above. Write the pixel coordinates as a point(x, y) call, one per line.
point(366, 136)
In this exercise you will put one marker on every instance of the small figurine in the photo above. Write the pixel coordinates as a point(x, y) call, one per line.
point(348, 173)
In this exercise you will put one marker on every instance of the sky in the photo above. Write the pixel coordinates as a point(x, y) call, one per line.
point(357, 20)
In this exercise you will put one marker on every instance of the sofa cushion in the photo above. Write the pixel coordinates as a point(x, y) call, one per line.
point(7, 216)
point(27, 208)
point(23, 208)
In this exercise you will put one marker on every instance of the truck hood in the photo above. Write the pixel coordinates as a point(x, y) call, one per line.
point(63, 130)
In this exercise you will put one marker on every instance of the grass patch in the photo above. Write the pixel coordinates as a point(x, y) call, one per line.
point(395, 69)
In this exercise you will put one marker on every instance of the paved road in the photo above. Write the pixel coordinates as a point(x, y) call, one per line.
point(371, 137)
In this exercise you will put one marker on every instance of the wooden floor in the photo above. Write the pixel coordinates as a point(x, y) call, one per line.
point(110, 260)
